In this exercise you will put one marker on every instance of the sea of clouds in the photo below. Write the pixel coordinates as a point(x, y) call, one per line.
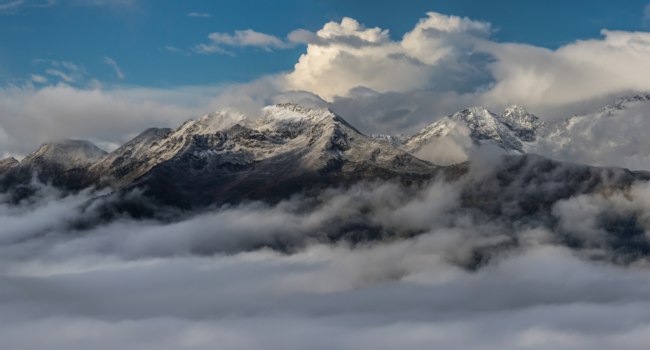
point(372, 266)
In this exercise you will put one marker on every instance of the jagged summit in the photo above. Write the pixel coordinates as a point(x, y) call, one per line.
point(294, 113)
point(509, 130)
point(485, 125)
point(525, 125)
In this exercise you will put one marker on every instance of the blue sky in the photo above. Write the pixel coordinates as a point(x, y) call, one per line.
point(152, 41)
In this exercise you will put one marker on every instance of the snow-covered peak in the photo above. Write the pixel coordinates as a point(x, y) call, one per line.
point(293, 112)
point(67, 153)
point(211, 123)
point(440, 128)
point(485, 125)
point(614, 135)
point(481, 121)
point(525, 125)
point(508, 131)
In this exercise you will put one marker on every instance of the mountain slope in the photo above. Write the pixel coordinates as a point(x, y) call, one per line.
point(615, 135)
point(63, 164)
point(458, 133)
point(119, 165)
point(68, 154)
point(7, 163)
point(223, 157)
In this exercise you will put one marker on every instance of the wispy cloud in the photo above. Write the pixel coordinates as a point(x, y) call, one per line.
point(39, 79)
point(9, 7)
point(60, 64)
point(118, 71)
point(199, 14)
point(60, 74)
point(65, 71)
point(108, 2)
point(241, 38)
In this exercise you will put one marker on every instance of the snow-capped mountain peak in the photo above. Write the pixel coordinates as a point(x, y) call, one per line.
point(526, 126)
point(482, 123)
point(67, 153)
point(295, 112)
point(211, 123)
point(512, 131)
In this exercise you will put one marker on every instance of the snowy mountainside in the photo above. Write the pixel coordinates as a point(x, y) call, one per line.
point(451, 139)
point(226, 155)
point(68, 154)
point(509, 130)
point(614, 135)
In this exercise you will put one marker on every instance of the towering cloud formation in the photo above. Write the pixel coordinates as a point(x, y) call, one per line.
point(454, 62)
point(345, 55)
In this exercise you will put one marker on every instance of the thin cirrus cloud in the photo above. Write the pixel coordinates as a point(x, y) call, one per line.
point(36, 78)
point(199, 15)
point(119, 74)
point(240, 38)
point(9, 7)
point(61, 75)
point(62, 71)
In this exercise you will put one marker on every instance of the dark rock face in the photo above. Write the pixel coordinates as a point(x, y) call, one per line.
point(527, 186)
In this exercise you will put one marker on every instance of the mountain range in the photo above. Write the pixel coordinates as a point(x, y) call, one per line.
point(227, 157)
